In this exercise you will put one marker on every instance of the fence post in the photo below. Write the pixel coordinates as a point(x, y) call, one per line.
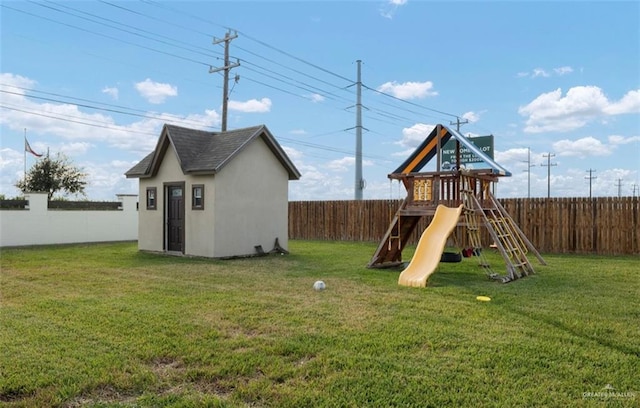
point(38, 202)
point(129, 201)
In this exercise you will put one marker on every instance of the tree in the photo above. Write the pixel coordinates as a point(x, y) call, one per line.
point(52, 175)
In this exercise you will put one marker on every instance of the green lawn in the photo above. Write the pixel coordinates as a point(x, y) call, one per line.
point(106, 326)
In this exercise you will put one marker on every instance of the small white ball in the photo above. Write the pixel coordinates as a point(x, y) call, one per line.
point(319, 285)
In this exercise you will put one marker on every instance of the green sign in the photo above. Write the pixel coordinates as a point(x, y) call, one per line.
point(484, 143)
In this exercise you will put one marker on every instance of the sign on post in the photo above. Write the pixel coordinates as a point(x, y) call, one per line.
point(484, 143)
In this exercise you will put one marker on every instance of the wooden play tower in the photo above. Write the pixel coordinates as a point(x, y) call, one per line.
point(453, 187)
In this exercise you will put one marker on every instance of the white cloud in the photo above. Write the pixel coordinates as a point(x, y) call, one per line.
point(512, 157)
point(75, 148)
point(472, 117)
point(111, 91)
point(298, 132)
point(553, 112)
point(587, 146)
point(408, 90)
point(11, 170)
point(630, 103)
point(620, 140)
point(414, 135)
point(251, 106)
point(544, 73)
point(342, 164)
point(294, 154)
point(155, 92)
point(563, 70)
point(539, 72)
point(345, 163)
point(316, 98)
point(315, 183)
point(404, 153)
point(390, 7)
point(109, 176)
point(82, 129)
point(16, 81)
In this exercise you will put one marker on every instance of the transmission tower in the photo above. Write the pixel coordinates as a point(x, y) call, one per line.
point(619, 185)
point(359, 181)
point(528, 170)
point(549, 165)
point(590, 177)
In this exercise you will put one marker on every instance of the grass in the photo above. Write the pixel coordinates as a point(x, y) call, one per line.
point(107, 326)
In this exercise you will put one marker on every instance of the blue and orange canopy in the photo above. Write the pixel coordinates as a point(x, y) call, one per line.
point(427, 150)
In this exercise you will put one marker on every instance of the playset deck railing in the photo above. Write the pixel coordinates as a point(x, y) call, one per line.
point(426, 190)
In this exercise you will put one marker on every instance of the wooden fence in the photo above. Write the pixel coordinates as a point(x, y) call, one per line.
point(603, 225)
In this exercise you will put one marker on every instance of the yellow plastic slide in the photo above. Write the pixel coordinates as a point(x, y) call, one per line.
point(430, 247)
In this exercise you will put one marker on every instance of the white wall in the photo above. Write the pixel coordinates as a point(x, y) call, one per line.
point(38, 225)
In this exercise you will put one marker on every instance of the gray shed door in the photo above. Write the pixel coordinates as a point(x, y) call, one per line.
point(175, 218)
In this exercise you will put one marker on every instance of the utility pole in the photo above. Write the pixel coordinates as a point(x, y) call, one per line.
point(528, 170)
point(635, 188)
point(590, 177)
point(619, 185)
point(549, 165)
point(226, 68)
point(458, 122)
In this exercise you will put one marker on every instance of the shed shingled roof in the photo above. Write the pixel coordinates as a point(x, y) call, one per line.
point(202, 152)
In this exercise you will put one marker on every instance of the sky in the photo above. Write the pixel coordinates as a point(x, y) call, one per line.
point(557, 84)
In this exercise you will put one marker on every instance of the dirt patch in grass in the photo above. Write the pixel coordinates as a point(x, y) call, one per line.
point(104, 394)
point(15, 395)
point(173, 374)
point(166, 367)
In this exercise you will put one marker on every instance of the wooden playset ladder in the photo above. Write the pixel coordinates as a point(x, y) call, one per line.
point(473, 229)
point(389, 251)
point(508, 238)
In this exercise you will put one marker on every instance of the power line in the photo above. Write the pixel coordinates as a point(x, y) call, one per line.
point(145, 116)
point(84, 121)
point(376, 111)
point(135, 44)
point(285, 82)
point(288, 68)
point(410, 103)
point(237, 47)
point(145, 15)
point(105, 35)
point(81, 122)
point(288, 79)
point(245, 35)
point(169, 42)
point(96, 19)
